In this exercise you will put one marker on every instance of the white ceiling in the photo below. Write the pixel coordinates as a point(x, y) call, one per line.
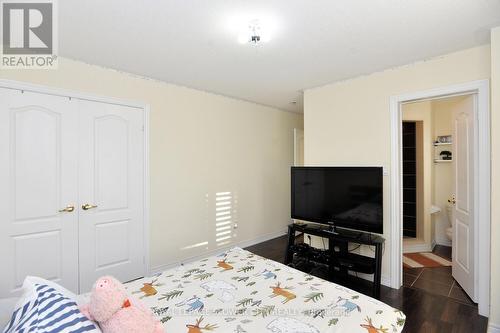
point(314, 42)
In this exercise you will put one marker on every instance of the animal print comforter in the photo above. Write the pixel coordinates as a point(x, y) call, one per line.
point(242, 292)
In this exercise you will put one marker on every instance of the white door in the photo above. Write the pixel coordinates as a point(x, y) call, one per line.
point(111, 184)
point(463, 183)
point(38, 180)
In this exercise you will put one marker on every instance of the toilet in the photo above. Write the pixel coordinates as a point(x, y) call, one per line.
point(449, 230)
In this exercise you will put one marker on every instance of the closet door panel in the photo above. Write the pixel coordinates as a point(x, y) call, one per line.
point(111, 156)
point(38, 173)
point(112, 185)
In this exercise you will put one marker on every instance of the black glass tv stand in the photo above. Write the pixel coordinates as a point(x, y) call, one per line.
point(337, 257)
point(342, 232)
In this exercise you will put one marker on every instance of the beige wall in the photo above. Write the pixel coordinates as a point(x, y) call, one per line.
point(442, 111)
point(441, 172)
point(201, 144)
point(495, 184)
point(349, 122)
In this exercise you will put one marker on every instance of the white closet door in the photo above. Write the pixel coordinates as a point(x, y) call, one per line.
point(38, 177)
point(111, 183)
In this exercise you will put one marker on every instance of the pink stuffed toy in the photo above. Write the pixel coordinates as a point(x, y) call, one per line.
point(116, 312)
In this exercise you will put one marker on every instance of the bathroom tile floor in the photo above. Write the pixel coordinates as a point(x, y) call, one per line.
point(437, 280)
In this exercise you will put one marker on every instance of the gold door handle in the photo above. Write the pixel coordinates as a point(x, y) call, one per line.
point(68, 209)
point(88, 206)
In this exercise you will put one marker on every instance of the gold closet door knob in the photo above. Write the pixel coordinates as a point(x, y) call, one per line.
point(88, 206)
point(68, 209)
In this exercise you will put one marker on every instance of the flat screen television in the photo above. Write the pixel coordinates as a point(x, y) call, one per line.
point(349, 197)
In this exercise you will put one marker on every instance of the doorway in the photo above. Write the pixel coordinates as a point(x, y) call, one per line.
point(473, 257)
point(437, 145)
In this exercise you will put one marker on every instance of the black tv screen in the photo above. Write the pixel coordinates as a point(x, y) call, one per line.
point(349, 197)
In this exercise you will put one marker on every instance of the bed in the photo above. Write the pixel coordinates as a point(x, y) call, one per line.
point(240, 292)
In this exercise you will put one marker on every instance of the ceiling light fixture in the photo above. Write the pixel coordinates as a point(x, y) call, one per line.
point(254, 33)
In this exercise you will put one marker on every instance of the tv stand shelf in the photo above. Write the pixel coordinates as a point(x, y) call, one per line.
point(338, 258)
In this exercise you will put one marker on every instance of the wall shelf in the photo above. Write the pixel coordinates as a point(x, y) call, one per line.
point(440, 147)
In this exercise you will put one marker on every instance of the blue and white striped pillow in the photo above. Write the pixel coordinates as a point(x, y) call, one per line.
point(48, 311)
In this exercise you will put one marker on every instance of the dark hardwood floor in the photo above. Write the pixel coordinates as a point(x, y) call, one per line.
point(425, 312)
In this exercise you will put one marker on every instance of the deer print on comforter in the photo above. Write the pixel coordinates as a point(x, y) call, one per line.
point(241, 292)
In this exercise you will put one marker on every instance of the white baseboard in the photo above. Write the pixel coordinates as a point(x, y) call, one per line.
point(413, 248)
point(493, 328)
point(242, 244)
point(424, 247)
point(443, 241)
point(385, 281)
point(261, 239)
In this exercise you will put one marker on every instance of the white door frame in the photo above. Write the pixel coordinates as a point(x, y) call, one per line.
point(24, 86)
point(482, 184)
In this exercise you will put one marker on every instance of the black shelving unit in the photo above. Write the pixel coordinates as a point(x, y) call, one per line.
point(338, 259)
point(410, 179)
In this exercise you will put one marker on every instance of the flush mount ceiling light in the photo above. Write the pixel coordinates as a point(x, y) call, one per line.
point(254, 33)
